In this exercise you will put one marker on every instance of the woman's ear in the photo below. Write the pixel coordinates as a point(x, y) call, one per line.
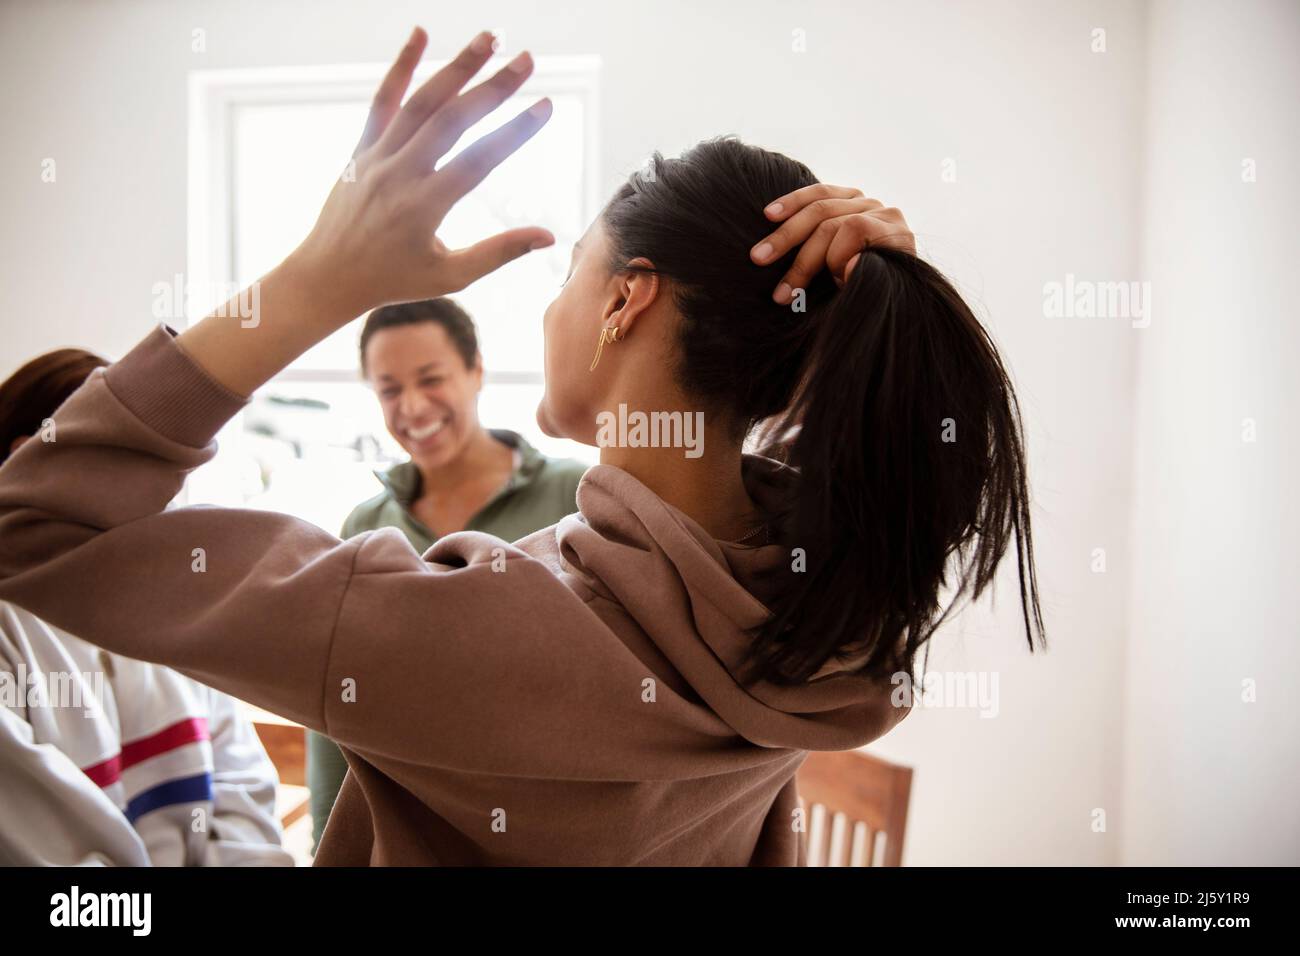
point(634, 292)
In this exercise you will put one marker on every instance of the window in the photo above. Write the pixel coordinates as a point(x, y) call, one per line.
point(266, 146)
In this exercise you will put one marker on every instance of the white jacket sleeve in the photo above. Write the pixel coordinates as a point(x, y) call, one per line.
point(245, 829)
point(53, 814)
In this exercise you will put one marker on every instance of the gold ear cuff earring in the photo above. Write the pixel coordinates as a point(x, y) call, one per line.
point(610, 333)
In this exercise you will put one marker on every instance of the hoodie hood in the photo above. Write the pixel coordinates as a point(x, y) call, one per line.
point(698, 600)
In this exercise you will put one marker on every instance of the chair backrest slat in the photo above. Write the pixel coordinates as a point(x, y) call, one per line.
point(853, 802)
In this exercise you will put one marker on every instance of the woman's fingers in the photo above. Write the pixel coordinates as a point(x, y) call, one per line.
point(388, 250)
point(836, 243)
point(473, 262)
point(783, 207)
point(388, 98)
point(441, 130)
point(445, 187)
point(830, 226)
point(435, 92)
point(887, 227)
point(474, 162)
point(853, 235)
point(848, 269)
point(810, 261)
point(805, 222)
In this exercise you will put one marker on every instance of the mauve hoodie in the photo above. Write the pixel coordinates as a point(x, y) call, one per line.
point(568, 699)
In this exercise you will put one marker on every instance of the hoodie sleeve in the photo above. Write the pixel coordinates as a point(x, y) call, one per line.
point(241, 600)
point(363, 640)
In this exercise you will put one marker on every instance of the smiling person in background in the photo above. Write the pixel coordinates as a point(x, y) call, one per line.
point(423, 361)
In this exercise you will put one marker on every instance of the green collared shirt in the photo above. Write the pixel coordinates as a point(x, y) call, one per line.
point(539, 492)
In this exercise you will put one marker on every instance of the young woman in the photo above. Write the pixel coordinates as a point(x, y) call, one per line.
point(423, 361)
point(639, 683)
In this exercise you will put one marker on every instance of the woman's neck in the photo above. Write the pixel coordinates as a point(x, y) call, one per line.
point(708, 489)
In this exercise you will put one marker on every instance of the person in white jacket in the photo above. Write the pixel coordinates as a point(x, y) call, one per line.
point(106, 760)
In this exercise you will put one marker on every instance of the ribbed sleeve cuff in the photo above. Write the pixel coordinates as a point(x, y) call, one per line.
point(170, 392)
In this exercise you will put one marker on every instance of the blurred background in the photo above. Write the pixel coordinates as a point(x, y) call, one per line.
point(159, 155)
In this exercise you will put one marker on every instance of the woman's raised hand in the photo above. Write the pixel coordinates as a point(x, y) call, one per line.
point(376, 241)
point(834, 224)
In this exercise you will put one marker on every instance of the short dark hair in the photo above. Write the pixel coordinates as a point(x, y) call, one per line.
point(445, 312)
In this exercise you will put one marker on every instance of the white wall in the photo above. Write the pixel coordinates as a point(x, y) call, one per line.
point(1047, 140)
point(1208, 778)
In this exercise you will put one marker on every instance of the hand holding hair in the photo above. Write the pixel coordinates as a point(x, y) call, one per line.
point(834, 224)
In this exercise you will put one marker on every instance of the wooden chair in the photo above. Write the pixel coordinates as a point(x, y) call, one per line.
point(286, 745)
point(864, 798)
